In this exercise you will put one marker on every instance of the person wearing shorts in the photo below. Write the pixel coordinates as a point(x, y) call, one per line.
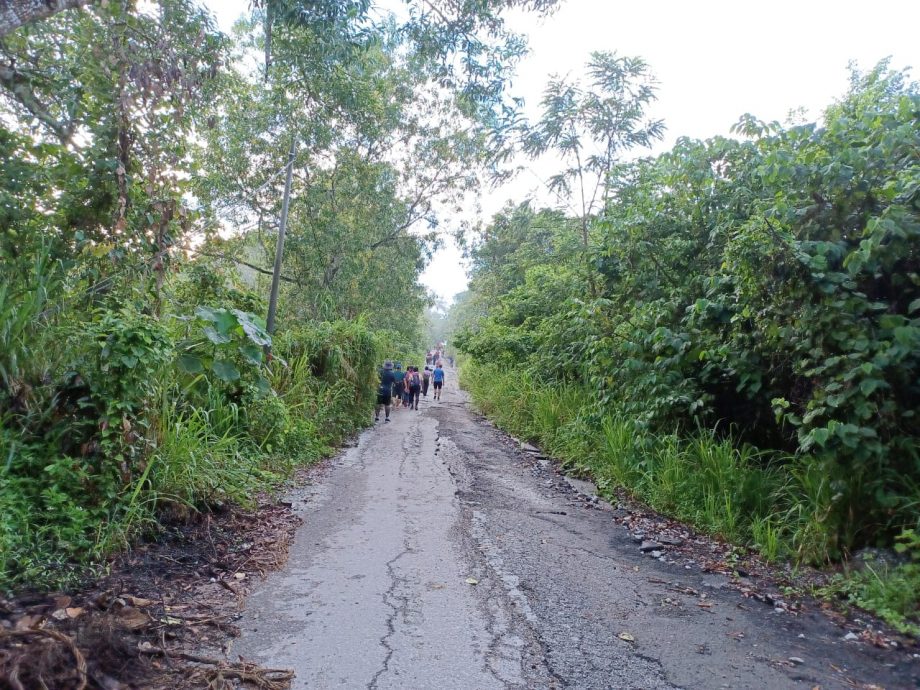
point(399, 381)
point(385, 392)
point(437, 380)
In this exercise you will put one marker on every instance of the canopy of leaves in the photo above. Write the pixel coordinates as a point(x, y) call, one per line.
point(142, 159)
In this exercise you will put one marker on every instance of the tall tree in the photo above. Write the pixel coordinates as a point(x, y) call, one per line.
point(107, 100)
point(591, 125)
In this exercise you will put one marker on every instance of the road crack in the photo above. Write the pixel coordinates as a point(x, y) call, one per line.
point(398, 605)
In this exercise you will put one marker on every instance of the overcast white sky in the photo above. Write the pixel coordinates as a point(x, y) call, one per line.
point(715, 60)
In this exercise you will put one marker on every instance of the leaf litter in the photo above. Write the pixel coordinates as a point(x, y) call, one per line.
point(163, 617)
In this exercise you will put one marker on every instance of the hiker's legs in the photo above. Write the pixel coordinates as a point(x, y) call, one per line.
point(384, 402)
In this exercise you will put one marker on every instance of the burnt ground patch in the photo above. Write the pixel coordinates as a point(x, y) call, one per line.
point(162, 616)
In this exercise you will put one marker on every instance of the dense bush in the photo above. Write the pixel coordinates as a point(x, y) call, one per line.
point(765, 288)
point(115, 416)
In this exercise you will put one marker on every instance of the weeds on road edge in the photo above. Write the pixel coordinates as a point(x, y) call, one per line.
point(769, 501)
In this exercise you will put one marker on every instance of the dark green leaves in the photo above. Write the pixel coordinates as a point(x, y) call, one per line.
point(225, 370)
point(767, 288)
point(190, 364)
point(233, 342)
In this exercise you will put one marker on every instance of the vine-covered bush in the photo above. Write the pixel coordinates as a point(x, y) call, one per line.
point(767, 287)
point(121, 417)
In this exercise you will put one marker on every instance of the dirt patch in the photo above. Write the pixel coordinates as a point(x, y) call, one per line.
point(162, 618)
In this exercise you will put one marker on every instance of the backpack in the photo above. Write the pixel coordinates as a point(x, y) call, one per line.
point(415, 380)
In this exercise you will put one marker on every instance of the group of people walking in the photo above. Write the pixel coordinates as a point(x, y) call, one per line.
point(405, 387)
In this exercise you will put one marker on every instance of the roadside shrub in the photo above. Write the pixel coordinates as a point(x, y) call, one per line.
point(195, 463)
point(763, 288)
point(267, 418)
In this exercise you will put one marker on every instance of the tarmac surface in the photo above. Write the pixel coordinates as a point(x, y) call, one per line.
point(435, 555)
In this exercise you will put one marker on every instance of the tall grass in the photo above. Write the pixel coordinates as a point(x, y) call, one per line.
point(200, 456)
point(777, 504)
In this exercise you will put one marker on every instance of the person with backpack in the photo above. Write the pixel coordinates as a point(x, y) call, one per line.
point(399, 381)
point(385, 391)
point(426, 379)
point(438, 380)
point(414, 387)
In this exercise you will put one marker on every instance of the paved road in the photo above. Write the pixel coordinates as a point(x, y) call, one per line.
point(434, 555)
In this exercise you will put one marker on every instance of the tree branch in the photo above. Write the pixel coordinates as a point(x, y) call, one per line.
point(19, 88)
point(17, 13)
point(258, 269)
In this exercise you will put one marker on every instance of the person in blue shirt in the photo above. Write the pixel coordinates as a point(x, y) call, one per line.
point(437, 379)
point(399, 379)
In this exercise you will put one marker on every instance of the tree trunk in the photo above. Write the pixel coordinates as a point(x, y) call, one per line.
point(16, 13)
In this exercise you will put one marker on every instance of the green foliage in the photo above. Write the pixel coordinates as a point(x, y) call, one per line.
point(885, 588)
point(201, 456)
point(764, 288)
point(228, 342)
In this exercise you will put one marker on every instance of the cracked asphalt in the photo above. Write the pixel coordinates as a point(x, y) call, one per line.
point(435, 555)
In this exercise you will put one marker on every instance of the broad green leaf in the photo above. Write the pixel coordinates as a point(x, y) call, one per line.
point(252, 353)
point(225, 370)
point(223, 320)
point(820, 436)
point(190, 364)
point(215, 337)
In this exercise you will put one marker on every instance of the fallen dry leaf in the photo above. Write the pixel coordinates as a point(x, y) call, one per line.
point(626, 637)
point(472, 581)
point(74, 611)
point(28, 622)
point(132, 618)
point(138, 601)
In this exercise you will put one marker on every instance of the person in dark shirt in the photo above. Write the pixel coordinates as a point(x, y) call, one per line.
point(413, 387)
point(385, 391)
point(426, 379)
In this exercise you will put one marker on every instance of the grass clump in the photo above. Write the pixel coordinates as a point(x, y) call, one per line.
point(773, 502)
point(887, 589)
